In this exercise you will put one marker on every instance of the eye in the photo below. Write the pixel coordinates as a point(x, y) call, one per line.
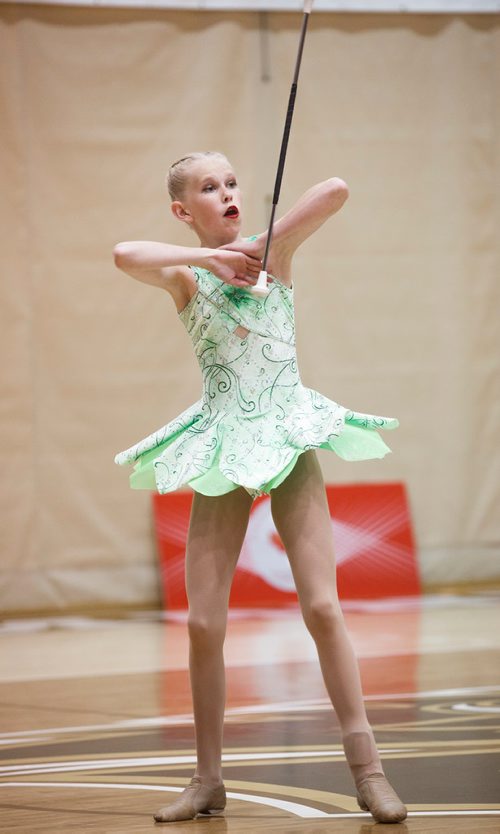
point(232, 184)
point(208, 187)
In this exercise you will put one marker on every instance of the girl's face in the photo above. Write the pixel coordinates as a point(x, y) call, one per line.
point(211, 203)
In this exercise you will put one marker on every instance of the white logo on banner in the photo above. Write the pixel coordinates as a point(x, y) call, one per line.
point(263, 554)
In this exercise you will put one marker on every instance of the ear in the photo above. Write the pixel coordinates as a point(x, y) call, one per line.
point(180, 212)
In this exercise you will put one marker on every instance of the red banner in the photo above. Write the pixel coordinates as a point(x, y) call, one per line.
point(373, 537)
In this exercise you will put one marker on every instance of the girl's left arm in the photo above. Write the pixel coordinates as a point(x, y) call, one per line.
point(307, 215)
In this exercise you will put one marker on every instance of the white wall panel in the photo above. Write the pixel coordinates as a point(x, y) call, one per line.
point(413, 6)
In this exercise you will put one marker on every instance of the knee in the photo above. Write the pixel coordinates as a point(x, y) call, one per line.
point(323, 617)
point(205, 630)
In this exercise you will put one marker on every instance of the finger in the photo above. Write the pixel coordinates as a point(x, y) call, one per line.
point(244, 280)
point(253, 267)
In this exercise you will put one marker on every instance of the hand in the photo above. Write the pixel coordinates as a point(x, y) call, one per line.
point(233, 267)
point(255, 249)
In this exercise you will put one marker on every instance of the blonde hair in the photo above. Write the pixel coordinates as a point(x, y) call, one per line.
point(177, 175)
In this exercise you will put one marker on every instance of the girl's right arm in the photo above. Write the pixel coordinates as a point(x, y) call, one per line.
point(166, 266)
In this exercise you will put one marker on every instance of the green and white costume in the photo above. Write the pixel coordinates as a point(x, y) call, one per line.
point(255, 417)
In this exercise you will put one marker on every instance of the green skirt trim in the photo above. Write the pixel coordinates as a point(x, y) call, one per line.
point(353, 443)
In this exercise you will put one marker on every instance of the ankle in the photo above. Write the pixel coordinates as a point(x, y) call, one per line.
point(209, 780)
point(362, 754)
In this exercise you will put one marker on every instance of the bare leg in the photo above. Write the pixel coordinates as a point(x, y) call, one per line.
point(216, 532)
point(302, 518)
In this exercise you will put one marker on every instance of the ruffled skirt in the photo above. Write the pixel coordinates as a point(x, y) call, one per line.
point(215, 452)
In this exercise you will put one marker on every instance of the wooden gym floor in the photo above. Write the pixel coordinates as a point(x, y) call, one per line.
point(96, 730)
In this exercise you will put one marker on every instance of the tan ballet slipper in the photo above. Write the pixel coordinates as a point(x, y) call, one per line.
point(377, 796)
point(374, 793)
point(195, 799)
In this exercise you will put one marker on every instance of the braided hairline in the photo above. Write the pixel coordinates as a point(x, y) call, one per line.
point(177, 173)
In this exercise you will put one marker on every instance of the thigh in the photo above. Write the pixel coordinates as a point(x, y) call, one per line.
point(216, 531)
point(302, 517)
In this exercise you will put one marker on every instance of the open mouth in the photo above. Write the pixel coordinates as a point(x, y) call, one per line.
point(232, 212)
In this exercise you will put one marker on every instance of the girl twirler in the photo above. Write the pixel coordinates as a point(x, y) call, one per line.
point(253, 431)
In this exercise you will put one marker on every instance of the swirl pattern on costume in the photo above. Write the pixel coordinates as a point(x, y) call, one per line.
point(255, 417)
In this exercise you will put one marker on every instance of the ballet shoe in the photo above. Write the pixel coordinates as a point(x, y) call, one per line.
point(195, 799)
point(374, 793)
point(377, 796)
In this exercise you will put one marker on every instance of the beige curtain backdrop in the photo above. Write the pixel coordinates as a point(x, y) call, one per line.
point(397, 297)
